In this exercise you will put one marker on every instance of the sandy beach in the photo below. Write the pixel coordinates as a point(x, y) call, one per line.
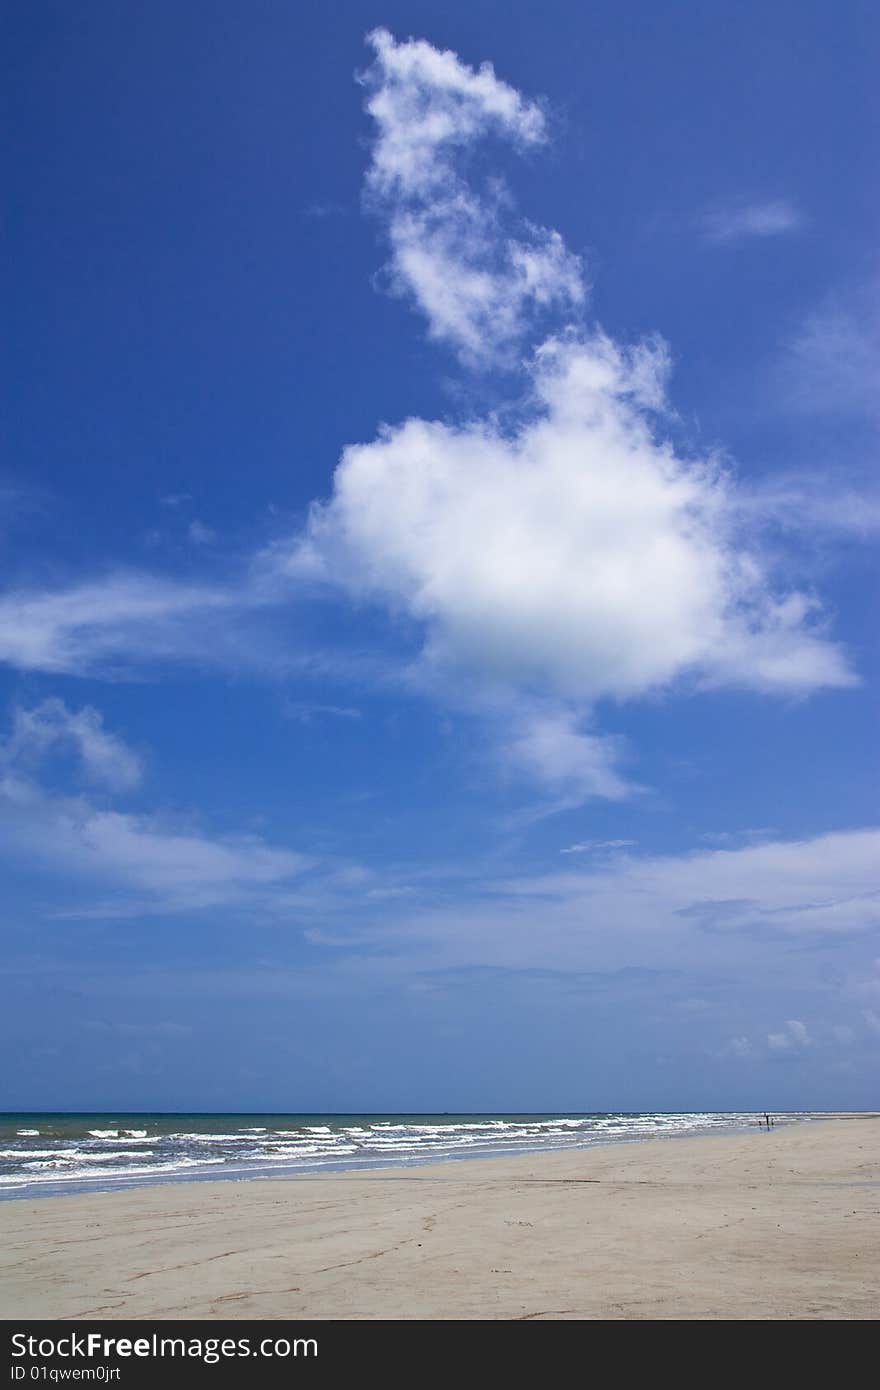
point(784, 1224)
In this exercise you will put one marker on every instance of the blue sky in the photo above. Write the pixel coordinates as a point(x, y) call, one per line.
point(439, 662)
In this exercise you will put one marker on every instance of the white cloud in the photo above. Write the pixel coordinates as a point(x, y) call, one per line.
point(112, 626)
point(147, 856)
point(827, 885)
point(549, 747)
point(831, 363)
point(578, 557)
point(200, 534)
point(798, 1032)
point(726, 839)
point(36, 732)
point(794, 1036)
point(115, 627)
point(743, 221)
point(110, 864)
point(592, 846)
point(145, 862)
point(306, 712)
point(815, 504)
point(478, 284)
point(732, 916)
point(122, 618)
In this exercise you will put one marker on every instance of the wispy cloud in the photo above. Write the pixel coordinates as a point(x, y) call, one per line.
point(596, 846)
point(831, 361)
point(794, 1039)
point(123, 618)
point(479, 282)
point(727, 224)
point(552, 748)
point(306, 711)
point(619, 908)
point(794, 1035)
point(112, 864)
point(182, 871)
point(815, 504)
point(200, 534)
point(40, 731)
point(151, 864)
point(704, 911)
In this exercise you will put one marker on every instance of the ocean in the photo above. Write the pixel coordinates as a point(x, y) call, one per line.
point(43, 1154)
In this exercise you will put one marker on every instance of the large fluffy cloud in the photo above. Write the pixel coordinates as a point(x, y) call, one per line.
point(573, 556)
point(577, 555)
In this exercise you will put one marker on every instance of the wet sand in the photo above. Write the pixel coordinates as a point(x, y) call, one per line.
point(784, 1224)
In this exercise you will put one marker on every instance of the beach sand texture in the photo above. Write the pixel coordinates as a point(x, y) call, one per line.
point(760, 1225)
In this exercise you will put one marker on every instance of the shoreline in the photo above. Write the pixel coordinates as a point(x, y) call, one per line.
point(707, 1122)
point(340, 1168)
point(756, 1224)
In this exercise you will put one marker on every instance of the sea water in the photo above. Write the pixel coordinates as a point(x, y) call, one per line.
point(51, 1153)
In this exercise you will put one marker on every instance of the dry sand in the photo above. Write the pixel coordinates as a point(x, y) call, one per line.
point(783, 1224)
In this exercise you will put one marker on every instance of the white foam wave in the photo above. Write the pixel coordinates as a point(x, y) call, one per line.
point(57, 1159)
point(85, 1173)
point(308, 1151)
point(98, 1145)
point(239, 1138)
point(29, 1153)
